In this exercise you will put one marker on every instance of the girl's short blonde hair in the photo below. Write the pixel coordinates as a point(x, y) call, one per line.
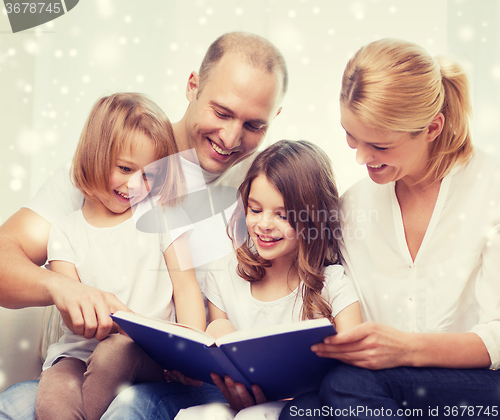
point(397, 86)
point(111, 126)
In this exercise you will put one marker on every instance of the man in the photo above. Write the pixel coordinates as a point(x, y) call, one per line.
point(232, 102)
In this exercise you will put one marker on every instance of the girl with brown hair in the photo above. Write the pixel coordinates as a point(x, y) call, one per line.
point(286, 265)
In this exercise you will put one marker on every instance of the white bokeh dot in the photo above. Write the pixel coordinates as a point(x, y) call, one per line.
point(238, 11)
point(24, 344)
point(11, 52)
point(73, 52)
point(137, 40)
point(202, 20)
point(495, 72)
point(86, 78)
point(209, 11)
point(58, 53)
point(127, 19)
point(32, 47)
point(466, 33)
point(316, 10)
point(122, 40)
point(28, 88)
point(16, 184)
point(392, 9)
point(64, 90)
point(174, 46)
point(139, 78)
point(292, 14)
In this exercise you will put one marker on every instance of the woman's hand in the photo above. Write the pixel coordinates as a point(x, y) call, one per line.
point(236, 394)
point(369, 345)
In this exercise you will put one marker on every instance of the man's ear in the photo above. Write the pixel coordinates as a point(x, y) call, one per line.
point(435, 127)
point(192, 86)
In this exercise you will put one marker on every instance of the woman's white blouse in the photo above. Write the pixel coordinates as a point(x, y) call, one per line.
point(453, 285)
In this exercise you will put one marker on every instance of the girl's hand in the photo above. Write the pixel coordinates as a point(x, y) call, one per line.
point(236, 394)
point(176, 376)
point(369, 345)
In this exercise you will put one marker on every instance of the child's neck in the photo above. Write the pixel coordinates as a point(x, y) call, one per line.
point(281, 279)
point(98, 215)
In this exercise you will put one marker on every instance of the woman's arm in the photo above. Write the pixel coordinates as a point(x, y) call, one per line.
point(376, 346)
point(189, 306)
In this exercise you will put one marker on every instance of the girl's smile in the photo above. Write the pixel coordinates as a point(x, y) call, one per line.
point(267, 222)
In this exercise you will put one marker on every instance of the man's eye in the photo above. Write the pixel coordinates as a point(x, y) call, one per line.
point(220, 114)
point(255, 128)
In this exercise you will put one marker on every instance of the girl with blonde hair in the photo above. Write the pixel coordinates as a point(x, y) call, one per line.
point(427, 267)
point(126, 153)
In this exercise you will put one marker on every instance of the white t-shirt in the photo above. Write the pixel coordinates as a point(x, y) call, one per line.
point(453, 285)
point(120, 260)
point(232, 295)
point(208, 241)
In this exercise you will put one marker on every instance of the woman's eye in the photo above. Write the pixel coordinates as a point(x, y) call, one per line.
point(380, 148)
point(124, 169)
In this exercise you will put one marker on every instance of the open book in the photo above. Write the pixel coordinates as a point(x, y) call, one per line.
point(278, 358)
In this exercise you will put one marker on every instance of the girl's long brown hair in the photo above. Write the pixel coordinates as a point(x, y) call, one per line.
point(303, 174)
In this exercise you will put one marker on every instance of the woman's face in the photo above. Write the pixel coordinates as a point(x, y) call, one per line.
point(388, 155)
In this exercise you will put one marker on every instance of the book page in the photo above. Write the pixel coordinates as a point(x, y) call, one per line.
point(271, 330)
point(180, 330)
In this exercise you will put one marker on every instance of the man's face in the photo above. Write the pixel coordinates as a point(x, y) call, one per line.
point(227, 121)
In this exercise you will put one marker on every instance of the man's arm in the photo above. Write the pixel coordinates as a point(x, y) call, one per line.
point(23, 248)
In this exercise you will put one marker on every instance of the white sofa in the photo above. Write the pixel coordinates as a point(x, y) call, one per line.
point(23, 342)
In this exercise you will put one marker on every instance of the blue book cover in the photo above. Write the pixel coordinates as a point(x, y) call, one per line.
point(278, 358)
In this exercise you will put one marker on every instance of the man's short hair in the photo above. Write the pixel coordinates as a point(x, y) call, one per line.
point(255, 50)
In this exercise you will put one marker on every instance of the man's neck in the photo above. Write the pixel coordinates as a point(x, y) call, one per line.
point(180, 135)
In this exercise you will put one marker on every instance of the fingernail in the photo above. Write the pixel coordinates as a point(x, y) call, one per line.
point(314, 348)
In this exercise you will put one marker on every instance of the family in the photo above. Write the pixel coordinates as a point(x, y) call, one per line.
point(414, 295)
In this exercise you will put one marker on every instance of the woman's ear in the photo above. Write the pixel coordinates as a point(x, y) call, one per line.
point(435, 127)
point(192, 87)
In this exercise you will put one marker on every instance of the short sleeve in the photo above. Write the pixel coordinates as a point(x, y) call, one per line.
point(213, 291)
point(59, 246)
point(177, 222)
point(340, 289)
point(57, 197)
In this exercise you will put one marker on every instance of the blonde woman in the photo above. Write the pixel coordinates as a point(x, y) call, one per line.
point(426, 255)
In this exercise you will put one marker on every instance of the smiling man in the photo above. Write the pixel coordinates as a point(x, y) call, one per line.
point(232, 101)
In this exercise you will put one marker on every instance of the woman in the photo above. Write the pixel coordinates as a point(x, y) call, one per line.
point(421, 243)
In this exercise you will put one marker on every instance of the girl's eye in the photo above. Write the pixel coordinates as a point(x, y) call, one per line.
point(282, 216)
point(254, 210)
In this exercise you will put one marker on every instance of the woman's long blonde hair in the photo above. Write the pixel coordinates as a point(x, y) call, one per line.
point(397, 86)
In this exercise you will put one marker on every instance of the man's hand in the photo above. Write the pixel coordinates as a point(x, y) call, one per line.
point(236, 394)
point(85, 309)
